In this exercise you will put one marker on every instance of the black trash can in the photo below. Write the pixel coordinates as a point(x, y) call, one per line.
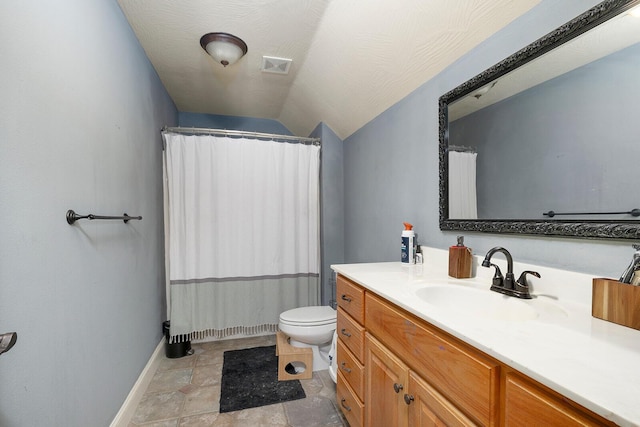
point(177, 349)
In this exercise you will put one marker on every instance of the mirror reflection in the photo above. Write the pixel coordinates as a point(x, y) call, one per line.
point(559, 134)
point(552, 140)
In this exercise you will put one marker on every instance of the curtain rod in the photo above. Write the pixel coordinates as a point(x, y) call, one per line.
point(225, 132)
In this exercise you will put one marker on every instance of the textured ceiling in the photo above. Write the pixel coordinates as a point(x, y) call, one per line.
point(351, 59)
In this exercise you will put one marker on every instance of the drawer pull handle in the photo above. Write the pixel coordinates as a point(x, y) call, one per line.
point(345, 298)
point(344, 332)
point(344, 367)
point(344, 405)
point(408, 398)
point(397, 387)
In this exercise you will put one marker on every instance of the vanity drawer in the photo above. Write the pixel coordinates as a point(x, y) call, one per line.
point(462, 374)
point(528, 404)
point(351, 334)
point(351, 369)
point(351, 298)
point(349, 403)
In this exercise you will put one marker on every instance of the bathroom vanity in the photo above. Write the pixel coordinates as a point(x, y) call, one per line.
point(458, 354)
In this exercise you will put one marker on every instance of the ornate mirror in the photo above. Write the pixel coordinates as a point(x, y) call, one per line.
point(548, 140)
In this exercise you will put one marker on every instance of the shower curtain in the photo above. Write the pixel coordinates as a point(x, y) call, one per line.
point(462, 185)
point(241, 233)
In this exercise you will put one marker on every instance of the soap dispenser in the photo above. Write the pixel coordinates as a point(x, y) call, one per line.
point(460, 260)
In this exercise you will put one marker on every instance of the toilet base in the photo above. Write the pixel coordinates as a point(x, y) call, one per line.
point(320, 353)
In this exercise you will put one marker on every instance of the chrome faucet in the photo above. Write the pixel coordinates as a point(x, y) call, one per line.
point(507, 285)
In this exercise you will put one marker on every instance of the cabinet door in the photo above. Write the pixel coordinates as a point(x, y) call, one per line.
point(528, 405)
point(386, 382)
point(428, 408)
point(460, 372)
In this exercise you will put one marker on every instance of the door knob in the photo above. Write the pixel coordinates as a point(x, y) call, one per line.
point(397, 387)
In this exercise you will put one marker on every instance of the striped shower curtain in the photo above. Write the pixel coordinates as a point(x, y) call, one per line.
point(241, 233)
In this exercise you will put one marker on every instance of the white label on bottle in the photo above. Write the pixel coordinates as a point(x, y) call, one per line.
point(407, 250)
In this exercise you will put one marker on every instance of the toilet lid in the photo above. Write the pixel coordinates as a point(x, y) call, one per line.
point(309, 316)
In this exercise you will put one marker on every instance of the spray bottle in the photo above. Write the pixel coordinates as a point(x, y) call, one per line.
point(408, 247)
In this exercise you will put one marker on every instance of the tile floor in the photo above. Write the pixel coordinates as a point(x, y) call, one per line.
point(186, 392)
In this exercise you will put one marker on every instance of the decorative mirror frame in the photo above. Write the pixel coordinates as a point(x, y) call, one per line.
point(606, 229)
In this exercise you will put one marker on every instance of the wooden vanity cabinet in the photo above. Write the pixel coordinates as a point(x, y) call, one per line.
point(350, 351)
point(351, 299)
point(387, 377)
point(531, 404)
point(457, 372)
point(351, 333)
point(351, 406)
point(396, 370)
point(352, 369)
point(397, 396)
point(429, 408)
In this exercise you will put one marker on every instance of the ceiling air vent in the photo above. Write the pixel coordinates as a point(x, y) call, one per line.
point(276, 65)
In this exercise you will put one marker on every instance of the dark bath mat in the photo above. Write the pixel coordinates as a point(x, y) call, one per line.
point(250, 379)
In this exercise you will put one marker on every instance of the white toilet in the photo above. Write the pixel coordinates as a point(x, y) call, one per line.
point(311, 327)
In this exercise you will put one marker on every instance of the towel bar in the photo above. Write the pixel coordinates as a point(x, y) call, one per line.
point(73, 217)
point(632, 212)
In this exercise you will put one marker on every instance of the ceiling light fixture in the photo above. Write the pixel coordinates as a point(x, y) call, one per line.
point(484, 90)
point(224, 48)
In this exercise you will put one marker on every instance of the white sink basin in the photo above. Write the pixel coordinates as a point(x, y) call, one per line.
point(486, 304)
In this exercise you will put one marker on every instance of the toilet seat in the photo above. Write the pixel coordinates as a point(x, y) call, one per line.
point(309, 316)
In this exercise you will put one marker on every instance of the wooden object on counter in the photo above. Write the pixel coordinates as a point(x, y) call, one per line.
point(616, 302)
point(460, 260)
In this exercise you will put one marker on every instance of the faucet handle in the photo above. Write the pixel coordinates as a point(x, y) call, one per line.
point(498, 278)
point(521, 283)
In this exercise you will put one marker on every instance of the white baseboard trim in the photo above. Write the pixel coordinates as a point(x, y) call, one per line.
point(125, 414)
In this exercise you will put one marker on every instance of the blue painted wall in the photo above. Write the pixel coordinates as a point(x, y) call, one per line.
point(81, 111)
point(332, 207)
point(391, 168)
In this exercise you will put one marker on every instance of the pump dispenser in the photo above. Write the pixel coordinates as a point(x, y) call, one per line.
point(408, 247)
point(460, 260)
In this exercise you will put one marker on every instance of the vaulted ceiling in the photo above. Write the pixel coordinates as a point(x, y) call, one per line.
point(351, 59)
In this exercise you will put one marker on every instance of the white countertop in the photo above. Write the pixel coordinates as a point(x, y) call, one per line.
point(591, 361)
